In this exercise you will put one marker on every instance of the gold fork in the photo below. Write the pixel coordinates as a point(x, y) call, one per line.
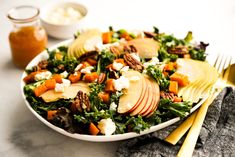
point(220, 63)
point(188, 146)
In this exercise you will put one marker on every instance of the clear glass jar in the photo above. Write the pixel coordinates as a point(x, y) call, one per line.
point(27, 38)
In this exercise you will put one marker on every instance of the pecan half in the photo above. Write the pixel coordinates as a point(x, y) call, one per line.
point(179, 50)
point(129, 48)
point(101, 78)
point(36, 68)
point(115, 50)
point(90, 54)
point(133, 63)
point(61, 67)
point(43, 64)
point(150, 34)
point(81, 102)
point(166, 95)
point(113, 74)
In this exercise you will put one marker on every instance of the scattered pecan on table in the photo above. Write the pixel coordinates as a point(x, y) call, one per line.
point(133, 63)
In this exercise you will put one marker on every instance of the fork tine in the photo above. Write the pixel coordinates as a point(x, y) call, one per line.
point(222, 61)
point(226, 68)
point(216, 60)
point(219, 63)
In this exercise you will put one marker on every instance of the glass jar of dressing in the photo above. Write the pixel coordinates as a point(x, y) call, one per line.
point(27, 38)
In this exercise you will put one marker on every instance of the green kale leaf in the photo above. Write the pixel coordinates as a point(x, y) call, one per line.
point(155, 72)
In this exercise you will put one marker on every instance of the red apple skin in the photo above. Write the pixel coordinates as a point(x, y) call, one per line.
point(156, 102)
point(157, 99)
point(150, 97)
point(142, 103)
point(148, 100)
point(143, 114)
point(153, 102)
point(143, 93)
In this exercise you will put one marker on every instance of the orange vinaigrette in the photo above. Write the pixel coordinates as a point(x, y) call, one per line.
point(28, 38)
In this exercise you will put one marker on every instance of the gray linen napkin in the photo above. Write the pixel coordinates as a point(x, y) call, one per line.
point(216, 139)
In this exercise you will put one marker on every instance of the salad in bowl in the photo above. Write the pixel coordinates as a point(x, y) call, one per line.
point(116, 82)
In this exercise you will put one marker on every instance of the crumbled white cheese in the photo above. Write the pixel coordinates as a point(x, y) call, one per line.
point(64, 74)
point(124, 69)
point(144, 71)
point(43, 76)
point(121, 83)
point(153, 61)
point(66, 82)
point(136, 56)
point(75, 73)
point(93, 43)
point(117, 66)
point(79, 67)
point(87, 70)
point(59, 87)
point(134, 78)
point(101, 46)
point(107, 126)
point(65, 15)
point(113, 106)
point(44, 56)
point(107, 46)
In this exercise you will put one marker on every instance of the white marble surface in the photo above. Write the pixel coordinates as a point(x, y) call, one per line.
point(21, 134)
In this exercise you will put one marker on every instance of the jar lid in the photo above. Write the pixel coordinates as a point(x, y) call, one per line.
point(22, 14)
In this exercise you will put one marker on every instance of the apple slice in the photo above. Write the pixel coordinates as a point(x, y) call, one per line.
point(132, 95)
point(155, 105)
point(156, 92)
point(141, 99)
point(146, 48)
point(85, 42)
point(69, 93)
point(144, 103)
point(151, 99)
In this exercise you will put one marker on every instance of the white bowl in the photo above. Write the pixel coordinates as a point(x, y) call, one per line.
point(98, 138)
point(62, 31)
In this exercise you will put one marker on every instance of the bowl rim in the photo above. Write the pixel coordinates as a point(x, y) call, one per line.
point(49, 6)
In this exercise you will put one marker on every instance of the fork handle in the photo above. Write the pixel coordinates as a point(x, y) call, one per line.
point(179, 132)
point(191, 139)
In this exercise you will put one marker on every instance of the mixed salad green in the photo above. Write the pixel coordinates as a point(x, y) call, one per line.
point(95, 112)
